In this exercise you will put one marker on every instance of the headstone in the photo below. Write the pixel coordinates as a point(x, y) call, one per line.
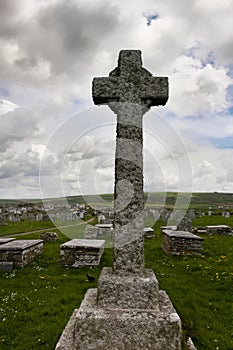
point(127, 311)
point(227, 215)
point(185, 225)
point(81, 252)
point(21, 252)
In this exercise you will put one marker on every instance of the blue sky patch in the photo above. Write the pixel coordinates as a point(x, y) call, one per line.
point(151, 18)
point(222, 143)
point(4, 92)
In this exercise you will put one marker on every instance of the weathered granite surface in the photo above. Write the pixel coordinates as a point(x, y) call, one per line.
point(49, 236)
point(127, 291)
point(181, 242)
point(6, 240)
point(148, 232)
point(81, 252)
point(125, 329)
point(21, 252)
point(91, 232)
point(130, 90)
point(127, 312)
point(104, 229)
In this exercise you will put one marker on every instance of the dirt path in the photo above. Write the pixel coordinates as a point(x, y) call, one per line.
point(46, 229)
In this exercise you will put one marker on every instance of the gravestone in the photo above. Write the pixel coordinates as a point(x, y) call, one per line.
point(49, 236)
point(127, 311)
point(185, 224)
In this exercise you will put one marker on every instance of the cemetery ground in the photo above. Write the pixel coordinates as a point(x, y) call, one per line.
point(38, 300)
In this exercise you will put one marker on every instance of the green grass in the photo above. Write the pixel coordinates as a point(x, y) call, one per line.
point(37, 301)
point(24, 226)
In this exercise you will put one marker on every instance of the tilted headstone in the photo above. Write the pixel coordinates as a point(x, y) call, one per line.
point(185, 224)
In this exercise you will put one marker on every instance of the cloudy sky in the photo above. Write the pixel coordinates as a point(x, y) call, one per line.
point(54, 141)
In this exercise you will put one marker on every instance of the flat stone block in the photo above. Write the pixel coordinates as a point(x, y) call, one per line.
point(6, 240)
point(181, 242)
point(148, 232)
point(126, 329)
point(21, 252)
point(104, 229)
point(128, 291)
point(6, 266)
point(81, 252)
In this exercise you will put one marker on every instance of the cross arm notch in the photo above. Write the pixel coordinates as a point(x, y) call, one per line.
point(154, 91)
point(105, 90)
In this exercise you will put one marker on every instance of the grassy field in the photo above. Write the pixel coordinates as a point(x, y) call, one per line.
point(24, 226)
point(37, 301)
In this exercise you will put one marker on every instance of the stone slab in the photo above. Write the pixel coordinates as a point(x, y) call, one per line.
point(218, 229)
point(6, 266)
point(181, 243)
point(91, 232)
point(6, 240)
point(128, 290)
point(182, 234)
point(81, 252)
point(148, 232)
point(97, 328)
point(104, 229)
point(20, 244)
point(21, 252)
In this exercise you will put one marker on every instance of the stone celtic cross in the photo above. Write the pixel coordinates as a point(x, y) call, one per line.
point(130, 90)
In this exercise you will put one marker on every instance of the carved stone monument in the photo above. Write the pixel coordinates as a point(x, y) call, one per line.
point(127, 311)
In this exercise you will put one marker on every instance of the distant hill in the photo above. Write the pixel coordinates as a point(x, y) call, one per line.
point(198, 200)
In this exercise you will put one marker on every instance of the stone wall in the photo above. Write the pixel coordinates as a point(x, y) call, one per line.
point(181, 242)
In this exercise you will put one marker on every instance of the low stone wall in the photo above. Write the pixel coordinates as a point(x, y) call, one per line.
point(81, 252)
point(91, 232)
point(181, 243)
point(21, 252)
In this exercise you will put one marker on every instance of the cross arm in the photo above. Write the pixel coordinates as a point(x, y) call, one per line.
point(154, 91)
point(105, 90)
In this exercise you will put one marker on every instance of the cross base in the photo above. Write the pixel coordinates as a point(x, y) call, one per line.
point(128, 290)
point(96, 328)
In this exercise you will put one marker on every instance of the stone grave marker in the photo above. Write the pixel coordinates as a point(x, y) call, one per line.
point(21, 252)
point(185, 224)
point(127, 311)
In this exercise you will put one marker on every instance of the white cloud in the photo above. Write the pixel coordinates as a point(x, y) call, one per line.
point(51, 50)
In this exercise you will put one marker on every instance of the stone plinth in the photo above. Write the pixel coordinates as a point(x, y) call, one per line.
point(218, 229)
point(95, 328)
point(127, 291)
point(6, 240)
point(21, 252)
point(91, 232)
point(81, 252)
point(104, 229)
point(181, 242)
point(148, 232)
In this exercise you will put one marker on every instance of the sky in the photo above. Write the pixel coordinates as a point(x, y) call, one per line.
point(55, 142)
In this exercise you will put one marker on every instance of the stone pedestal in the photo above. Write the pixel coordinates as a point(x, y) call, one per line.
point(21, 252)
point(149, 323)
point(81, 252)
point(181, 242)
